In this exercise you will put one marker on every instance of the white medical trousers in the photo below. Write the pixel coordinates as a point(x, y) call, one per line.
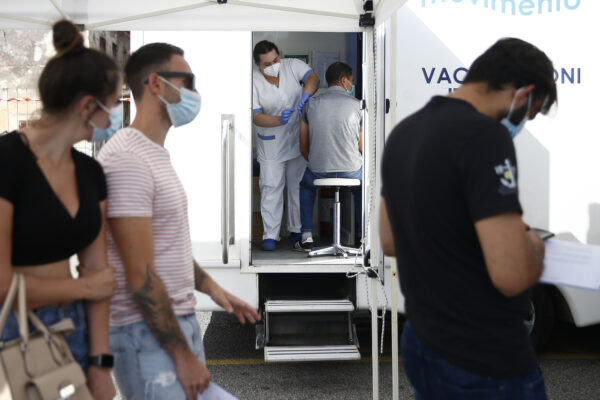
point(274, 175)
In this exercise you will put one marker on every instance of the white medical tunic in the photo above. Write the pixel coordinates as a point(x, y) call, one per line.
point(279, 143)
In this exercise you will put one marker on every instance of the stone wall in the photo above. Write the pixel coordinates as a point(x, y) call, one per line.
point(24, 54)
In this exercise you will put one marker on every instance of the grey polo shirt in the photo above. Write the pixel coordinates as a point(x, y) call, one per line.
point(334, 119)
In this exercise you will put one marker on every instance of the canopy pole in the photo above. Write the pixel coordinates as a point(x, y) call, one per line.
point(394, 276)
point(374, 336)
point(370, 127)
point(25, 19)
point(395, 360)
point(60, 10)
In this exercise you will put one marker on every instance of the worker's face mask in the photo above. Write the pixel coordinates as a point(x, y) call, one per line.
point(272, 70)
point(186, 109)
point(115, 115)
point(514, 127)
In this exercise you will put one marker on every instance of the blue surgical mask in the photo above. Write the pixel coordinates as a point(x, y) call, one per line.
point(115, 115)
point(188, 107)
point(351, 91)
point(512, 128)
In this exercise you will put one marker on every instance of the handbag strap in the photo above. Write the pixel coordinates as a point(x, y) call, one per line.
point(22, 317)
point(8, 301)
point(18, 287)
point(37, 322)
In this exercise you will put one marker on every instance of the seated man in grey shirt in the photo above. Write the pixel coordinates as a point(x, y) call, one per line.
point(331, 142)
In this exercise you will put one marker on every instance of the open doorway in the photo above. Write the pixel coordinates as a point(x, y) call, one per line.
point(319, 51)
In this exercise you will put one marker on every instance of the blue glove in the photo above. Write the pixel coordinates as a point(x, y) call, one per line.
point(285, 115)
point(302, 103)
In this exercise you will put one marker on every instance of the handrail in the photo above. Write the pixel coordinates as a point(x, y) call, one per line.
point(225, 126)
point(227, 186)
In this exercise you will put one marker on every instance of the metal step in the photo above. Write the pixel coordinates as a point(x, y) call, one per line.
point(281, 306)
point(311, 353)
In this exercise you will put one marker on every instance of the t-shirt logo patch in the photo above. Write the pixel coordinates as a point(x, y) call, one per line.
point(508, 177)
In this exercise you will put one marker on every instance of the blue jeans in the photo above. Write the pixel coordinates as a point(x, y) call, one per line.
point(143, 370)
point(308, 191)
point(78, 341)
point(434, 378)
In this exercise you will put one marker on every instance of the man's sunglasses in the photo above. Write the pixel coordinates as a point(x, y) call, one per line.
point(189, 82)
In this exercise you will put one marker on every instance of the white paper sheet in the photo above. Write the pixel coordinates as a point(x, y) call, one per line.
point(572, 264)
point(216, 392)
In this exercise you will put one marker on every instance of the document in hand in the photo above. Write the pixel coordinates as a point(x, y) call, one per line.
point(571, 264)
point(216, 392)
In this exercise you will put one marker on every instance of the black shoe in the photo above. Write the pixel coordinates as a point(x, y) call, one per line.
point(304, 245)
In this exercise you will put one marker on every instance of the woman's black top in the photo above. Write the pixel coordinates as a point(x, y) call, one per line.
point(43, 231)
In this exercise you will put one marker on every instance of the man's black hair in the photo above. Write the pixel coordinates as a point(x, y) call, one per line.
point(263, 47)
point(147, 59)
point(337, 71)
point(512, 61)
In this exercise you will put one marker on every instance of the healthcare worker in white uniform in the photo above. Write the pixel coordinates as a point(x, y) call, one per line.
point(280, 89)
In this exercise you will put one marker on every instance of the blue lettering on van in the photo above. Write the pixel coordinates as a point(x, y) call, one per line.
point(568, 76)
point(443, 75)
point(514, 7)
point(435, 75)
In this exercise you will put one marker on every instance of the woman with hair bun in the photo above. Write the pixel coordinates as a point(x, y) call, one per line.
point(52, 202)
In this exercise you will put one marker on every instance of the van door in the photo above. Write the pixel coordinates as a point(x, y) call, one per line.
point(217, 188)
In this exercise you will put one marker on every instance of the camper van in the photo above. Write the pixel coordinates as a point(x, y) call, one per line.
point(402, 52)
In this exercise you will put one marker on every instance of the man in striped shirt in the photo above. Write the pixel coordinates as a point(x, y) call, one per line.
point(154, 334)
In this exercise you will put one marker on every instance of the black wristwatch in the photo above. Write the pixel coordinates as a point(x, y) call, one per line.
point(102, 360)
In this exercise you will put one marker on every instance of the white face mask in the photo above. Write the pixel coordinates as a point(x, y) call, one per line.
point(272, 70)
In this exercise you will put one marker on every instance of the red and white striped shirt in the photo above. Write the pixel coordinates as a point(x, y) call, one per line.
point(141, 182)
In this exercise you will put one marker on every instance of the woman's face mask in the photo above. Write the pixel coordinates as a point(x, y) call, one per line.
point(272, 70)
point(115, 115)
point(186, 109)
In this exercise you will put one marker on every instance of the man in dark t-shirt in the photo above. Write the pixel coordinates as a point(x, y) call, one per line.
point(450, 211)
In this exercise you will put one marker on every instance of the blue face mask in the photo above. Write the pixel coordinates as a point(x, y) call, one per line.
point(188, 107)
point(512, 128)
point(351, 91)
point(115, 116)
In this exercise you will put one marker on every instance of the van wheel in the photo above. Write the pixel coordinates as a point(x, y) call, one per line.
point(541, 317)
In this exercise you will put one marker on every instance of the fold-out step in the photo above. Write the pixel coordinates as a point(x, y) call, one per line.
point(286, 306)
point(311, 353)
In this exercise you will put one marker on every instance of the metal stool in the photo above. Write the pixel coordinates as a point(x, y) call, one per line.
point(336, 248)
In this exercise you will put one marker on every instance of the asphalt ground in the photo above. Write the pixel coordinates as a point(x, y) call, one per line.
point(570, 363)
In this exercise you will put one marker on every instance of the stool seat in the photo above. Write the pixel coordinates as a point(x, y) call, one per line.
point(336, 182)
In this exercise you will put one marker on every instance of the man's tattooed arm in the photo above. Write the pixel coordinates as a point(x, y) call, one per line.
point(153, 303)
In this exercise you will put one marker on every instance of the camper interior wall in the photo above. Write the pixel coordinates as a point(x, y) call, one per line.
point(306, 43)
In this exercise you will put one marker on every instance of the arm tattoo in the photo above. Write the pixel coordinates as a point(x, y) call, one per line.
point(153, 303)
point(199, 275)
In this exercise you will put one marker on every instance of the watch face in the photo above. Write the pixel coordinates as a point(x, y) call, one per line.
point(108, 360)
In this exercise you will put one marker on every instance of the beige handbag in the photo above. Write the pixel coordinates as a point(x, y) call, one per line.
point(38, 366)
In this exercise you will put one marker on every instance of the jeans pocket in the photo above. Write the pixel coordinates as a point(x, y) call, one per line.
point(534, 388)
point(11, 327)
